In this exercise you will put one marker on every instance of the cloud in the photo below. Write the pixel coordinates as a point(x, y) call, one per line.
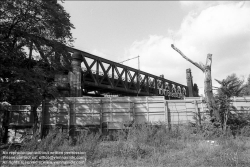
point(198, 6)
point(219, 28)
point(157, 57)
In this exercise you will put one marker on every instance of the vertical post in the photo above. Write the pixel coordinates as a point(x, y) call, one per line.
point(197, 112)
point(147, 109)
point(167, 110)
point(138, 83)
point(69, 121)
point(72, 120)
point(42, 119)
point(101, 115)
point(189, 83)
point(75, 76)
point(133, 112)
point(92, 109)
point(6, 125)
point(112, 110)
point(165, 113)
point(18, 119)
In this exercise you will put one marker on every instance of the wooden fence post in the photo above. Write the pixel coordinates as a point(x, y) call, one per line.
point(147, 109)
point(168, 114)
point(197, 113)
point(71, 128)
point(101, 115)
point(133, 113)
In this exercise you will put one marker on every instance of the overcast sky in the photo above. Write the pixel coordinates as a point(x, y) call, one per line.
point(124, 29)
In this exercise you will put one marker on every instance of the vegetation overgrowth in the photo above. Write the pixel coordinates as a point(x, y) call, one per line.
point(230, 116)
point(147, 145)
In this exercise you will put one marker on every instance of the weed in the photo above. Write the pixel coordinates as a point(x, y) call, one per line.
point(150, 145)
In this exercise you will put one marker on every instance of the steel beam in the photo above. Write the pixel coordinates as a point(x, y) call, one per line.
point(126, 81)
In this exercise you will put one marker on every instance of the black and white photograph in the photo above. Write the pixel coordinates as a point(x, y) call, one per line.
point(124, 83)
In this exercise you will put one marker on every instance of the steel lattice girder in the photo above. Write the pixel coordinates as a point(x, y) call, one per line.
point(118, 78)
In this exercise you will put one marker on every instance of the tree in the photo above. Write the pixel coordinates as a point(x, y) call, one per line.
point(206, 69)
point(33, 39)
point(39, 25)
point(231, 86)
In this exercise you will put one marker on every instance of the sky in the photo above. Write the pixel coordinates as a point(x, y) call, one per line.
point(120, 30)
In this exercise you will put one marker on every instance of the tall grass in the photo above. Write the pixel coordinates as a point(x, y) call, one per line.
point(147, 145)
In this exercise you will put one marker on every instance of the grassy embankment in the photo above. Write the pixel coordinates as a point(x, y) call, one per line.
point(150, 146)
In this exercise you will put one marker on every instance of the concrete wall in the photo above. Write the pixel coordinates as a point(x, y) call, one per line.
point(117, 112)
point(109, 112)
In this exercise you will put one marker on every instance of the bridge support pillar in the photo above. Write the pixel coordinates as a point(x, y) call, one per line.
point(75, 76)
point(189, 83)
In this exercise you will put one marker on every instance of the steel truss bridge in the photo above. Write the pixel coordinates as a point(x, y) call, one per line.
point(103, 76)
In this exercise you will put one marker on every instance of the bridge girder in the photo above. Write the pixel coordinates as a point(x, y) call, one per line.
point(105, 76)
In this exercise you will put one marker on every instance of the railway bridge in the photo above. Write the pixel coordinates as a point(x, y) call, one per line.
point(95, 76)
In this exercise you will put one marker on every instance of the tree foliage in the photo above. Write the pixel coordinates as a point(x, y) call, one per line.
point(229, 87)
point(33, 37)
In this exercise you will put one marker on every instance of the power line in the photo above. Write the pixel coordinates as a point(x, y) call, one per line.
point(132, 59)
